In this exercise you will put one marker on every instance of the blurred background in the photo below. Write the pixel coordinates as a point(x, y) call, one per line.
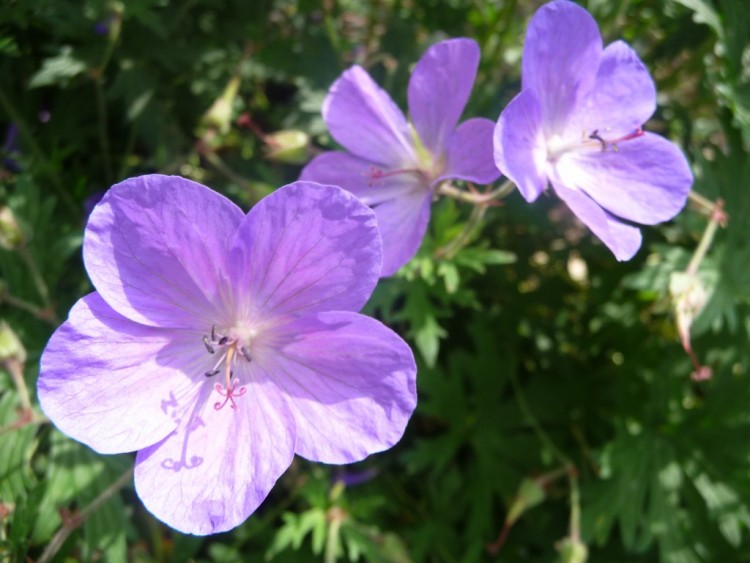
point(559, 412)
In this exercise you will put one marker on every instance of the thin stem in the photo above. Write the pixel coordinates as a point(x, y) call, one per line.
point(36, 275)
point(216, 161)
point(706, 206)
point(475, 197)
point(15, 367)
point(575, 498)
point(46, 315)
point(75, 521)
point(717, 217)
point(475, 220)
point(101, 110)
point(30, 141)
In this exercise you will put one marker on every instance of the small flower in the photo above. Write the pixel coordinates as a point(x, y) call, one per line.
point(577, 123)
point(394, 165)
point(217, 344)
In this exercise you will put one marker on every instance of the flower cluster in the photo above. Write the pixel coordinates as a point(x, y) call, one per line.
point(218, 344)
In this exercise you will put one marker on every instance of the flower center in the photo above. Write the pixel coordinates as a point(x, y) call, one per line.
point(229, 348)
point(557, 146)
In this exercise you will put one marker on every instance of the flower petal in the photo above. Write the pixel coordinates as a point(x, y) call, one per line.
point(113, 384)
point(305, 247)
point(363, 119)
point(560, 57)
point(623, 97)
point(520, 151)
point(646, 180)
point(403, 222)
point(155, 246)
point(439, 88)
point(217, 468)
point(622, 239)
point(349, 382)
point(470, 154)
point(357, 176)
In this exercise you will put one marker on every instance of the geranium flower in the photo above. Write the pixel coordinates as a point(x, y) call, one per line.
point(577, 123)
point(395, 166)
point(217, 344)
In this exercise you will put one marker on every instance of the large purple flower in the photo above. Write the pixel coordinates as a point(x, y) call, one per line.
point(577, 123)
point(393, 165)
point(219, 344)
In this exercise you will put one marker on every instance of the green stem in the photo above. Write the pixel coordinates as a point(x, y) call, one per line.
point(77, 520)
point(528, 414)
point(216, 161)
point(36, 276)
point(474, 222)
point(30, 141)
point(476, 198)
point(101, 110)
point(46, 315)
point(717, 217)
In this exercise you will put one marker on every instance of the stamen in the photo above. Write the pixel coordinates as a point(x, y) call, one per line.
point(595, 135)
point(376, 174)
point(207, 345)
point(244, 353)
point(212, 372)
point(230, 393)
point(223, 340)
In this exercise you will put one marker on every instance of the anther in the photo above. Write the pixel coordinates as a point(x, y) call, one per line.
point(208, 346)
point(595, 136)
point(223, 340)
point(245, 354)
point(212, 373)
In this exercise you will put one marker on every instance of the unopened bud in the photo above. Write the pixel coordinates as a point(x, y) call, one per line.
point(530, 493)
point(11, 236)
point(219, 115)
point(289, 146)
point(689, 296)
point(10, 346)
point(573, 551)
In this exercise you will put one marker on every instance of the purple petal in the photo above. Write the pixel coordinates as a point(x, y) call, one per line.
point(403, 222)
point(155, 246)
point(622, 99)
point(211, 474)
point(305, 247)
point(560, 58)
point(520, 151)
point(349, 382)
point(357, 176)
point(622, 239)
point(363, 119)
point(470, 154)
point(439, 88)
point(113, 384)
point(646, 180)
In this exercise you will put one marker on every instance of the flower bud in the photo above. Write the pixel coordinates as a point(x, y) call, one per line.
point(573, 551)
point(10, 346)
point(289, 146)
point(11, 236)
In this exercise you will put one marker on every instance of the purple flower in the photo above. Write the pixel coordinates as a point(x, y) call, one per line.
point(577, 123)
point(217, 344)
point(395, 166)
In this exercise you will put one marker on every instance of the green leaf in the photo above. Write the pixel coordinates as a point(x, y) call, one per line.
point(58, 70)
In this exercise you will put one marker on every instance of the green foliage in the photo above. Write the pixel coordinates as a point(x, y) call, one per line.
point(537, 351)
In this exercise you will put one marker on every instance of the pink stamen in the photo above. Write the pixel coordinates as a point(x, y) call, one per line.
point(376, 174)
point(231, 393)
point(634, 135)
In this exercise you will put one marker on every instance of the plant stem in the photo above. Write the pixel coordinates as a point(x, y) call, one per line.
point(717, 217)
point(75, 521)
point(476, 198)
point(575, 498)
point(475, 220)
point(30, 141)
point(36, 275)
point(216, 161)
